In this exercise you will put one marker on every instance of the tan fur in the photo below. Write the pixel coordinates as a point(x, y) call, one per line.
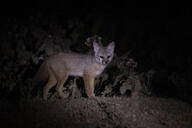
point(58, 67)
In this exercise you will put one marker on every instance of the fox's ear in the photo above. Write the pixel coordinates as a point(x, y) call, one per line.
point(95, 46)
point(111, 46)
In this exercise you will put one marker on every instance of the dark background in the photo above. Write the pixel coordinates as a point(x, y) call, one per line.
point(158, 38)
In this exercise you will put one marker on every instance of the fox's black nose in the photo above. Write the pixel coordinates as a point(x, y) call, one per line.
point(105, 62)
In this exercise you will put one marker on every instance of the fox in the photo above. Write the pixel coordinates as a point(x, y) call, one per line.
point(56, 68)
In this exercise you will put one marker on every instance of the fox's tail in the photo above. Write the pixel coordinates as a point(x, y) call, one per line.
point(42, 75)
point(39, 80)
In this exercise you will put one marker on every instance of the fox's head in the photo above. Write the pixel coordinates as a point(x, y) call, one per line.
point(103, 55)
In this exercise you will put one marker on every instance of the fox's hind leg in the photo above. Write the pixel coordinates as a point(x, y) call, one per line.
point(51, 82)
point(61, 80)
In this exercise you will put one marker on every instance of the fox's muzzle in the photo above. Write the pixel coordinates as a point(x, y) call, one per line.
point(105, 61)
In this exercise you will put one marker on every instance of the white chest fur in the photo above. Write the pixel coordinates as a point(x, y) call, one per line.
point(99, 69)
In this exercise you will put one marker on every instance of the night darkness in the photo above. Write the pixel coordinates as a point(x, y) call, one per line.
point(150, 75)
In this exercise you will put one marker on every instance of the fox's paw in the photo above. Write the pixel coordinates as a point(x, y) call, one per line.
point(91, 95)
point(45, 98)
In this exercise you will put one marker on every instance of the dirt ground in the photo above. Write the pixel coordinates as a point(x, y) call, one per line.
point(100, 112)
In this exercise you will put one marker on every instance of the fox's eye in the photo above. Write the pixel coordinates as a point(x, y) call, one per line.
point(108, 57)
point(101, 57)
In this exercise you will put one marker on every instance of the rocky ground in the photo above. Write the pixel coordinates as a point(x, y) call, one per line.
point(101, 112)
